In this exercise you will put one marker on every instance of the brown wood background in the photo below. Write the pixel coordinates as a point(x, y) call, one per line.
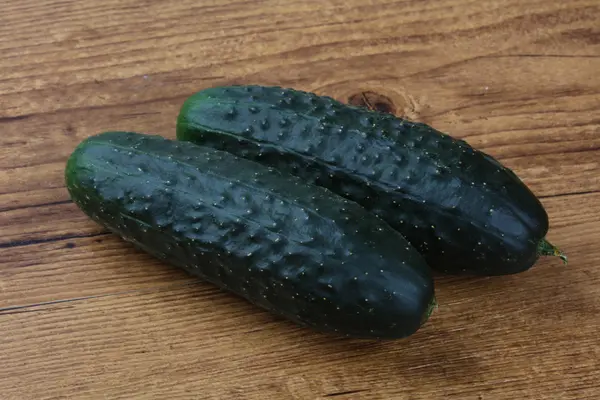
point(83, 316)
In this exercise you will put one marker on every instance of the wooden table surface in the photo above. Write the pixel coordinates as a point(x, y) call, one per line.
point(84, 316)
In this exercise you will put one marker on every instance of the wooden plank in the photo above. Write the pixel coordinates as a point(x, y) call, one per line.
point(198, 342)
point(92, 262)
point(86, 316)
point(299, 45)
point(538, 147)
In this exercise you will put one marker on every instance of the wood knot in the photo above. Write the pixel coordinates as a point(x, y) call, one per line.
point(373, 101)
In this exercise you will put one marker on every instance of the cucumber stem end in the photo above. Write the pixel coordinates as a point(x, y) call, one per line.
point(433, 304)
point(545, 248)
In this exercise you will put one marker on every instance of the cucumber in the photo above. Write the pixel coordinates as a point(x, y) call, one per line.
point(460, 208)
point(297, 250)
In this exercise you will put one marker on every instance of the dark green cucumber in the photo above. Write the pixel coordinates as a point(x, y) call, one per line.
point(295, 249)
point(461, 209)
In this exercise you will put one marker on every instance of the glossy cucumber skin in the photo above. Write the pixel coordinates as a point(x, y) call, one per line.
point(295, 249)
point(463, 211)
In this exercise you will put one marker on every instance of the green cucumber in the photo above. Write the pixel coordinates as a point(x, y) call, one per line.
point(459, 207)
point(298, 250)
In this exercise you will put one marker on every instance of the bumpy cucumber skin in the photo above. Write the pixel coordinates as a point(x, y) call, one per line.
point(295, 249)
point(463, 211)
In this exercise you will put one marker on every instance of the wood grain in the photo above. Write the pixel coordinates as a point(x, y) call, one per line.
point(85, 316)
